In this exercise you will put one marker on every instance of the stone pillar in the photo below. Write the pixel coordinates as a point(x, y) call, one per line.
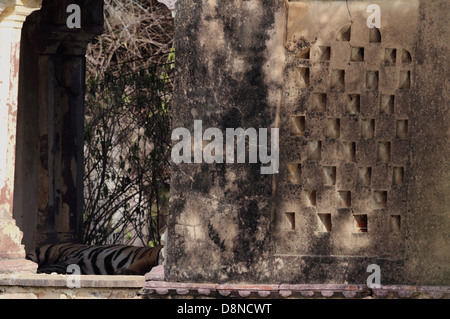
point(229, 74)
point(12, 16)
point(54, 85)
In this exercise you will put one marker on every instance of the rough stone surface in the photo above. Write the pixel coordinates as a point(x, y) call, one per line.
point(17, 266)
point(364, 170)
point(344, 154)
point(157, 273)
point(10, 240)
point(220, 213)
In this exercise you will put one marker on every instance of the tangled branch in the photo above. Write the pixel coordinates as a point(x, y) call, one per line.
point(129, 87)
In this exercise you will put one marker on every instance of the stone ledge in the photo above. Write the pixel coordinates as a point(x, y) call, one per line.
point(60, 281)
point(29, 285)
point(162, 289)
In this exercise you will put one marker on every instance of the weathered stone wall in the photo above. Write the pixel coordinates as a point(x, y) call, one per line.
point(227, 53)
point(363, 118)
point(427, 233)
point(344, 140)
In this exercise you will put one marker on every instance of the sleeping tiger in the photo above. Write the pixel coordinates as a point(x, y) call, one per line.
point(95, 260)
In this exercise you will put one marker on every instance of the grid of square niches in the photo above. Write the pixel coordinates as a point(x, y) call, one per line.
point(345, 152)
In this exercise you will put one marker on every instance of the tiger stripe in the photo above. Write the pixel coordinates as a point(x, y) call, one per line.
point(98, 260)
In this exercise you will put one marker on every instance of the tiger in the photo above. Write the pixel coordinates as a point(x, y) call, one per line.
point(95, 260)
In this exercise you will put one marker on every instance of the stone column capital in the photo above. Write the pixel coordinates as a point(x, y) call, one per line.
point(14, 12)
point(49, 31)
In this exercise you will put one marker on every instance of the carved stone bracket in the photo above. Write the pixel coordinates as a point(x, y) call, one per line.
point(14, 12)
